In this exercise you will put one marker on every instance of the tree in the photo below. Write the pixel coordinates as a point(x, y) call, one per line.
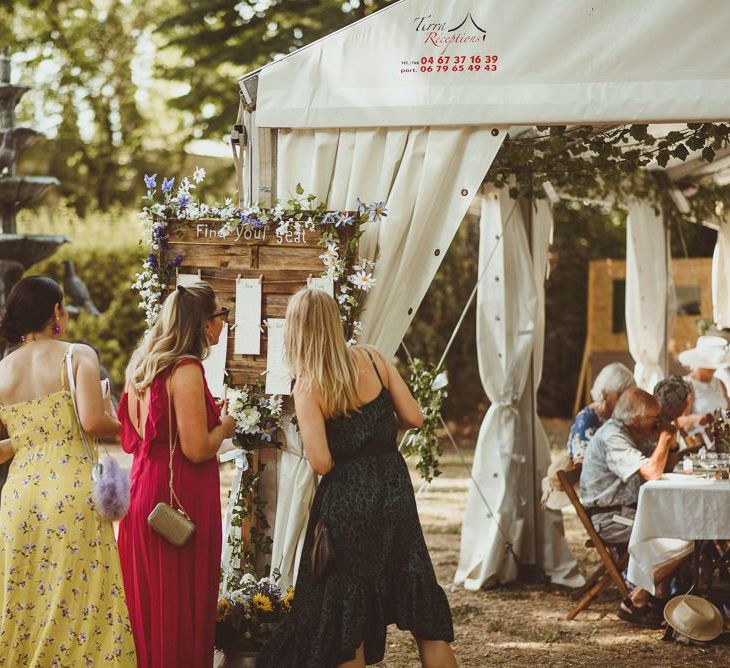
point(80, 56)
point(219, 40)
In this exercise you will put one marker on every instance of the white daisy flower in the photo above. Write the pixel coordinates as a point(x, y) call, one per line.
point(362, 280)
point(199, 175)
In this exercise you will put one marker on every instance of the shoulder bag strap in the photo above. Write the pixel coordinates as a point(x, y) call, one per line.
point(173, 443)
point(68, 357)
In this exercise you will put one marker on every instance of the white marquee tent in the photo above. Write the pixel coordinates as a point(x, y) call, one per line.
point(410, 105)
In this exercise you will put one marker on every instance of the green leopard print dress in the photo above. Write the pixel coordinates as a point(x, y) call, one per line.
point(383, 573)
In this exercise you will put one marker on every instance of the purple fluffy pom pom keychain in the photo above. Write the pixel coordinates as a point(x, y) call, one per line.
point(110, 490)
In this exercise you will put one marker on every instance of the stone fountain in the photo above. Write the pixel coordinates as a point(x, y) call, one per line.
point(18, 251)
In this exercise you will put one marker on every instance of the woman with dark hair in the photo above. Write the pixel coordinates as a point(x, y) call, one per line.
point(172, 591)
point(61, 594)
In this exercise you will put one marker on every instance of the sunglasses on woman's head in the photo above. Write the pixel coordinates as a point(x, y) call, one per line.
point(223, 314)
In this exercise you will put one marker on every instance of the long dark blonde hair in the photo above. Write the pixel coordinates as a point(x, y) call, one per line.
point(317, 353)
point(178, 332)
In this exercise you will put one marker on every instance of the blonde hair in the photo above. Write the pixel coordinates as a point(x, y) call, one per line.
point(178, 332)
point(316, 351)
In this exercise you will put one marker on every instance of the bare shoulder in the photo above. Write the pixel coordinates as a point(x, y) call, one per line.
point(372, 353)
point(186, 373)
point(307, 399)
point(85, 352)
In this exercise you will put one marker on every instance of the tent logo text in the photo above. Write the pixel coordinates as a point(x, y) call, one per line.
point(442, 35)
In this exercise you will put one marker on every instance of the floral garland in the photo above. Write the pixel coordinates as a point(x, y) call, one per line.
point(248, 505)
point(352, 278)
point(428, 384)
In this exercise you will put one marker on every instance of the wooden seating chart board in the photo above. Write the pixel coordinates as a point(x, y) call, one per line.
point(284, 263)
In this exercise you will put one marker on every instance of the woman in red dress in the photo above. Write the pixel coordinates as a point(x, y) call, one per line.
point(172, 591)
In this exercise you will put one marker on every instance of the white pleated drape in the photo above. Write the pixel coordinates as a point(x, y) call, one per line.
point(295, 491)
point(507, 311)
point(558, 562)
point(650, 301)
point(721, 276)
point(427, 178)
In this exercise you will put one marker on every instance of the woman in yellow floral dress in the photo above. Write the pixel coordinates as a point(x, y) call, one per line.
point(61, 593)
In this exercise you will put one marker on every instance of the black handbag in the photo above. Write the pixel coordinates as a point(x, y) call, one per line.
point(323, 552)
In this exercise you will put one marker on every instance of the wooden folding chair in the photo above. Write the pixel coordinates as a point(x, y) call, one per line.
point(609, 571)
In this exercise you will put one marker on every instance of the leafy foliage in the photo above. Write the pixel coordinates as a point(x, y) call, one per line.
point(611, 164)
point(249, 507)
point(428, 385)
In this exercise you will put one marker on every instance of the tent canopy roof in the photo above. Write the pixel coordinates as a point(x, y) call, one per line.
point(533, 62)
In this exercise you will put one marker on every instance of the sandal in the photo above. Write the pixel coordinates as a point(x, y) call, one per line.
point(646, 616)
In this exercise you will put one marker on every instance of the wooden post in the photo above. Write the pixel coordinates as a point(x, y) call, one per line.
point(533, 561)
point(667, 259)
point(266, 156)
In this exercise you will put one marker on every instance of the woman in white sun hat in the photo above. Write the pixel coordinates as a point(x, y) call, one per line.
point(723, 373)
point(709, 354)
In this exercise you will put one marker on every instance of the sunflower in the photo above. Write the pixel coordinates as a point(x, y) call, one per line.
point(288, 598)
point(223, 608)
point(262, 602)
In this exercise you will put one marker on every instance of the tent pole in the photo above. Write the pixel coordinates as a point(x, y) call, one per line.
point(533, 573)
point(667, 252)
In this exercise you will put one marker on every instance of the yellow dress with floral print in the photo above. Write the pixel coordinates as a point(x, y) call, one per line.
point(61, 594)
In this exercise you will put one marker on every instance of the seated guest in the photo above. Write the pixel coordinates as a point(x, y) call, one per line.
point(710, 354)
point(723, 372)
point(613, 379)
point(614, 467)
point(675, 396)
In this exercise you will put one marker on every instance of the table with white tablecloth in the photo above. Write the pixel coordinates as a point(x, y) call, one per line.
point(670, 514)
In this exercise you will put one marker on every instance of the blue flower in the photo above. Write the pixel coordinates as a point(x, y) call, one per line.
point(167, 184)
point(158, 232)
point(256, 223)
point(177, 261)
point(377, 211)
point(330, 218)
point(150, 182)
point(152, 260)
point(344, 221)
point(183, 200)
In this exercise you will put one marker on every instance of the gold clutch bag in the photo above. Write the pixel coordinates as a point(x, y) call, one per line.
point(170, 523)
point(173, 524)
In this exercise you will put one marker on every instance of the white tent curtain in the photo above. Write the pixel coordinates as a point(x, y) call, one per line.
point(721, 276)
point(507, 310)
point(558, 562)
point(295, 491)
point(427, 177)
point(649, 292)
